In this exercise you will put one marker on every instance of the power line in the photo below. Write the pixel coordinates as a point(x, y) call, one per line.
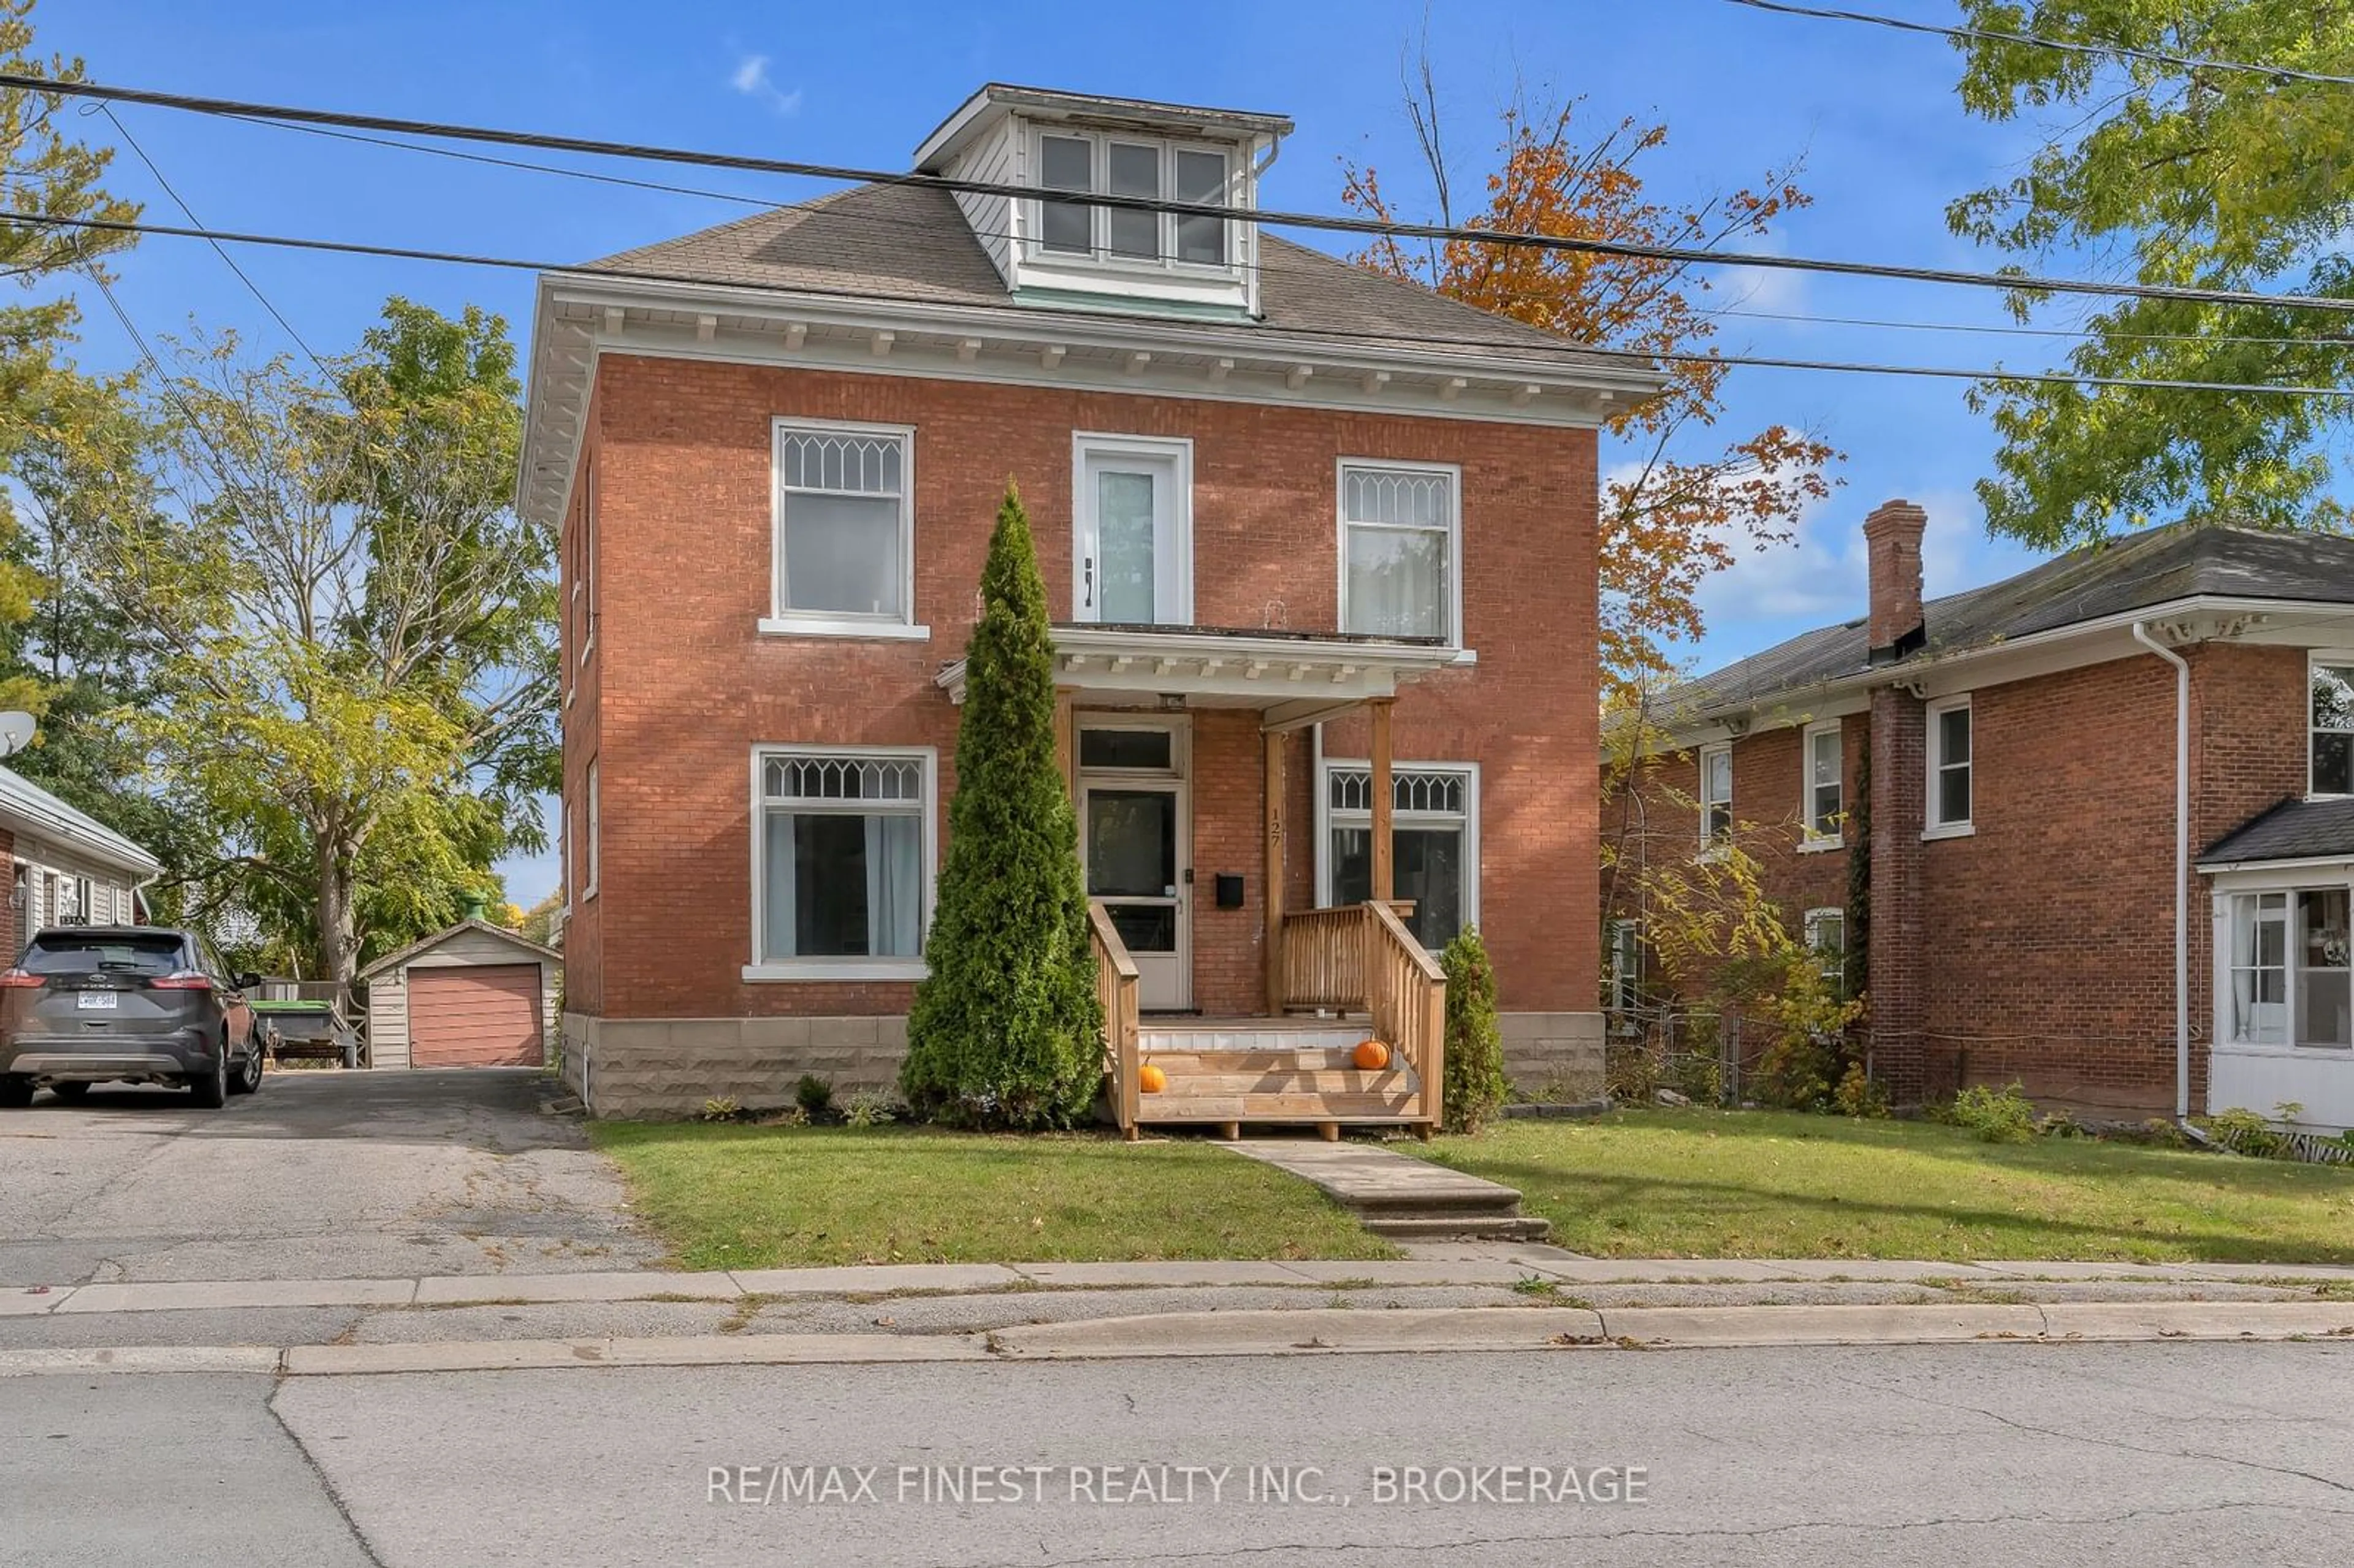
point(1568, 352)
point(2006, 282)
point(665, 188)
point(2034, 40)
point(251, 287)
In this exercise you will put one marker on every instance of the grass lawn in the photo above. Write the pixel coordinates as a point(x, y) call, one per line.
point(1706, 1183)
point(729, 1196)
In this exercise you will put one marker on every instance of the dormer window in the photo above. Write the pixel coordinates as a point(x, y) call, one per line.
point(1088, 163)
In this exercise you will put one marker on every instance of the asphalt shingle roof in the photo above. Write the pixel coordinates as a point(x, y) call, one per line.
point(2133, 572)
point(912, 242)
point(2293, 829)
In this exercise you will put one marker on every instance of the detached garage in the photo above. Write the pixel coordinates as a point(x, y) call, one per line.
point(471, 996)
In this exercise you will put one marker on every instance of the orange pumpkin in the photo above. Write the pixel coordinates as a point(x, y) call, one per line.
point(1152, 1080)
point(1370, 1055)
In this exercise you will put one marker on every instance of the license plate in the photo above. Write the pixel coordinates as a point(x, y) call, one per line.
point(97, 1001)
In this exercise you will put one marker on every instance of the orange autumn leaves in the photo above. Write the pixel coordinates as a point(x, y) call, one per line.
point(1677, 506)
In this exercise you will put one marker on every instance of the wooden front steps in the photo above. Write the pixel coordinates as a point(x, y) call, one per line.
point(1270, 1072)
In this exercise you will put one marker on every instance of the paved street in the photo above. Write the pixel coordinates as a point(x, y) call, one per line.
point(1983, 1453)
point(321, 1174)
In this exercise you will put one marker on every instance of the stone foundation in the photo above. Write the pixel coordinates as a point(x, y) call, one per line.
point(667, 1067)
point(1554, 1056)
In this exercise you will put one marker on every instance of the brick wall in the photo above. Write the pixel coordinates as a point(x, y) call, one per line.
point(2044, 940)
point(681, 687)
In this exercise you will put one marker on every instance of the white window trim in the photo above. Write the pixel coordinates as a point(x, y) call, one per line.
point(1625, 981)
point(2315, 658)
point(588, 891)
point(2233, 887)
point(1327, 765)
point(1931, 827)
point(1099, 257)
point(1809, 841)
point(1179, 451)
point(568, 817)
point(1708, 842)
point(1812, 921)
point(792, 970)
point(782, 623)
point(1341, 526)
point(587, 578)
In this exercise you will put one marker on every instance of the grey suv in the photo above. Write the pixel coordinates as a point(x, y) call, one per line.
point(134, 1004)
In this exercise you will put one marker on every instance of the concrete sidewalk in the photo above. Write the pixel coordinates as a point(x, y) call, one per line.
point(1521, 1271)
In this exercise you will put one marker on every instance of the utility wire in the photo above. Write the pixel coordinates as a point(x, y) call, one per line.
point(882, 219)
point(1569, 353)
point(2006, 282)
point(2033, 40)
point(251, 287)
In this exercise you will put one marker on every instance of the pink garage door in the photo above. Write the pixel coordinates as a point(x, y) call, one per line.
point(486, 1017)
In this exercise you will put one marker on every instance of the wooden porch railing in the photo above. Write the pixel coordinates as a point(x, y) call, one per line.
point(1361, 957)
point(1116, 990)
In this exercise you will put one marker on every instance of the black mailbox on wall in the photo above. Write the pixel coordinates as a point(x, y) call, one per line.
point(1230, 890)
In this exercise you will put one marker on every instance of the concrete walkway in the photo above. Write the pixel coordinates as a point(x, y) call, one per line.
point(1395, 1196)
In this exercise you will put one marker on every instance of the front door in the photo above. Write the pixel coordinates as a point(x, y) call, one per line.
point(1133, 816)
point(1130, 549)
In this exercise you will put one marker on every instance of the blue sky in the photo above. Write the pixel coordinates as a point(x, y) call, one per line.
point(1872, 112)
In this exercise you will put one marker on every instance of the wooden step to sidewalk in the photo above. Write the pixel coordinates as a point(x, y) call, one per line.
point(1396, 1195)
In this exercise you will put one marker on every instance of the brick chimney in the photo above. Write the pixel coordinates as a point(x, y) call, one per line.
point(1892, 539)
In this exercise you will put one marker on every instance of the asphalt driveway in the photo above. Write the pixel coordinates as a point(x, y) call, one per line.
point(323, 1174)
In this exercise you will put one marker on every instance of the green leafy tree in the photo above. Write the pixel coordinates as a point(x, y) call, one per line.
point(2185, 175)
point(1475, 1084)
point(1006, 1031)
point(354, 674)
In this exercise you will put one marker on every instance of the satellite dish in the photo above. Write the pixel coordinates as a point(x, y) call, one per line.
point(16, 733)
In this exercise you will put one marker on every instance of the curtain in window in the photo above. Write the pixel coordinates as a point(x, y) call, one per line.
point(895, 885)
point(841, 554)
point(1397, 582)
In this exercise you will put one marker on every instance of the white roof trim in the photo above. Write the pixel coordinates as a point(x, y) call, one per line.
point(1291, 679)
point(25, 805)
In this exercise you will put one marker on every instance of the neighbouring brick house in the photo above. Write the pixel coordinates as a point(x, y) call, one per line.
point(1303, 527)
point(2022, 819)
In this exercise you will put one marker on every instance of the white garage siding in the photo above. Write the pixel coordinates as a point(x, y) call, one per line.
point(471, 943)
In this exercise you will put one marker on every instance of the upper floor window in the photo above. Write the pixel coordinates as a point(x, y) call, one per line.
point(1398, 535)
point(1950, 766)
point(2332, 733)
point(1826, 801)
point(1716, 795)
point(1085, 164)
point(843, 530)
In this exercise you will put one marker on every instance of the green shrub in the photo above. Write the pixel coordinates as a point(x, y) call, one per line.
point(1005, 1030)
point(720, 1107)
point(815, 1097)
point(1475, 1081)
point(2244, 1132)
point(868, 1107)
point(1631, 1073)
point(1994, 1116)
point(1858, 1096)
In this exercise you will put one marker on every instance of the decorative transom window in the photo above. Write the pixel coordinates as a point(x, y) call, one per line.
point(2332, 733)
point(844, 846)
point(1083, 164)
point(1716, 795)
point(2291, 981)
point(1398, 533)
point(1950, 755)
point(1434, 843)
point(844, 526)
point(1826, 797)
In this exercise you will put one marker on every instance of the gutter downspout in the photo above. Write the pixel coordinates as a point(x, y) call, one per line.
point(2181, 867)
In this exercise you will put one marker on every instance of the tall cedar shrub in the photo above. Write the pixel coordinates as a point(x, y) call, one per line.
point(1475, 1084)
point(1006, 1031)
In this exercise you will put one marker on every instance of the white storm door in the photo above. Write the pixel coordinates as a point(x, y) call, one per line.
point(1130, 556)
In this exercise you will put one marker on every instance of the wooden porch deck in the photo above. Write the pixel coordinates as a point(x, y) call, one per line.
point(1369, 978)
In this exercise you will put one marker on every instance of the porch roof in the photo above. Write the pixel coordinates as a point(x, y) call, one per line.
point(2296, 830)
point(1294, 678)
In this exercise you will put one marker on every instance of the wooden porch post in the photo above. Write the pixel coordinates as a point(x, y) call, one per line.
point(1384, 872)
point(1066, 743)
point(1271, 898)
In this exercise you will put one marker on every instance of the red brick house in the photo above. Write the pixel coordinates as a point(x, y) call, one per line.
point(2054, 759)
point(1305, 528)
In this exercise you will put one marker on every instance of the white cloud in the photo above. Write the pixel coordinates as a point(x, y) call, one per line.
point(751, 78)
point(1780, 290)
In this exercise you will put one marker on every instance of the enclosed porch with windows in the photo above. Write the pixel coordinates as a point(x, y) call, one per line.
point(2284, 965)
point(1251, 933)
